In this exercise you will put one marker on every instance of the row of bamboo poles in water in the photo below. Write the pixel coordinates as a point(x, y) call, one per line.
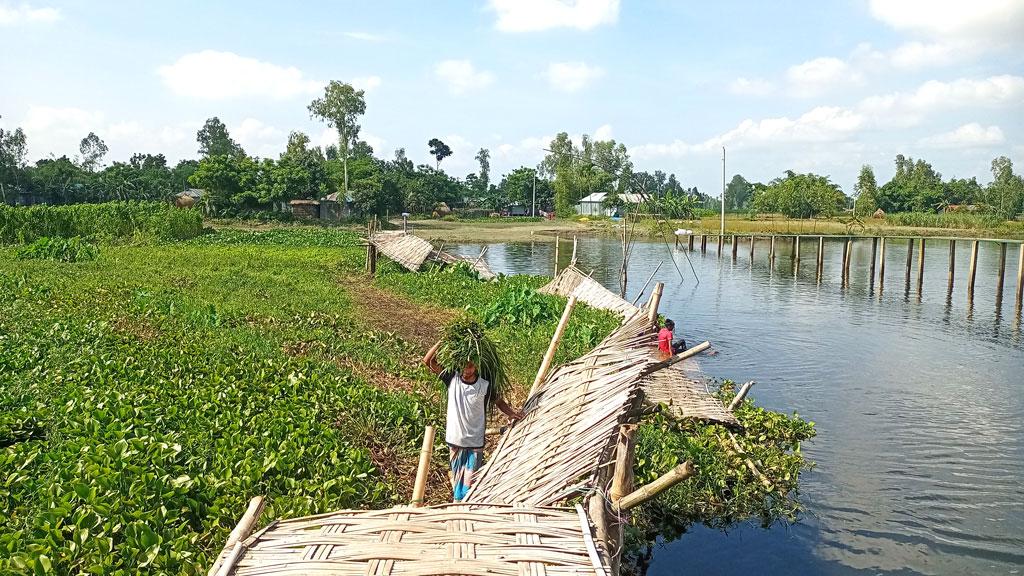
point(878, 246)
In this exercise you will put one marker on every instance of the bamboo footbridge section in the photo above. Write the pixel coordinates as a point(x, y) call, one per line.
point(411, 252)
point(571, 281)
point(575, 440)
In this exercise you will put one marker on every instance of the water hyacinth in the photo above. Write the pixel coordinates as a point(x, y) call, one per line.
point(464, 340)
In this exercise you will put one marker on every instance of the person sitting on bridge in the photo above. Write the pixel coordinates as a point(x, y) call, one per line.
point(469, 397)
point(666, 344)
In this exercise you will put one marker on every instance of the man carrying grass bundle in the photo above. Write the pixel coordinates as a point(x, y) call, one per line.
point(468, 365)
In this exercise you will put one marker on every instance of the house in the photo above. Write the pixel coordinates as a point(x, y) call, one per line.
point(593, 205)
point(333, 208)
point(518, 210)
point(189, 197)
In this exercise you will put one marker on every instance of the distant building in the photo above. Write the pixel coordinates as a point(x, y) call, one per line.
point(593, 205)
point(305, 209)
point(335, 206)
point(518, 210)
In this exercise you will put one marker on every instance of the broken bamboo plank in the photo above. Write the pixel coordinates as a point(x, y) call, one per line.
point(652, 306)
point(622, 475)
point(649, 491)
point(549, 356)
point(740, 395)
point(223, 565)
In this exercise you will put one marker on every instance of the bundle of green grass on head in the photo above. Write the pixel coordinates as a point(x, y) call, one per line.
point(464, 341)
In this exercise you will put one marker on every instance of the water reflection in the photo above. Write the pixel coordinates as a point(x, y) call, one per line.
point(916, 395)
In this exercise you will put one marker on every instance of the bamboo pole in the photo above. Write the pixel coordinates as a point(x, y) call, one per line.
point(572, 261)
point(1020, 277)
point(821, 255)
point(703, 243)
point(652, 306)
point(1002, 271)
point(721, 240)
point(598, 513)
point(557, 239)
point(973, 270)
point(649, 491)
point(738, 399)
point(751, 249)
point(622, 476)
point(952, 265)
point(420, 487)
point(649, 278)
point(847, 249)
point(750, 463)
point(734, 246)
point(549, 356)
point(910, 258)
point(881, 266)
point(795, 252)
point(796, 257)
point(771, 249)
point(689, 352)
point(920, 266)
point(240, 533)
point(690, 243)
point(874, 253)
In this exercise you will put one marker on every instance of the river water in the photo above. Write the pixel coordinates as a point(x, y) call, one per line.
point(918, 399)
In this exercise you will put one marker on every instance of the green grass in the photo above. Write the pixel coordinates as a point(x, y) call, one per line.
point(108, 221)
point(146, 395)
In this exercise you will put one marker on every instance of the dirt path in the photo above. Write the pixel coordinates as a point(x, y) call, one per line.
point(381, 310)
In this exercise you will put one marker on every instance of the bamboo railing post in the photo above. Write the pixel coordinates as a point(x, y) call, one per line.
point(952, 265)
point(572, 260)
point(796, 255)
point(881, 266)
point(549, 356)
point(910, 258)
point(771, 249)
point(920, 266)
point(734, 246)
point(690, 243)
point(721, 240)
point(738, 398)
point(622, 475)
point(419, 489)
point(1020, 277)
point(751, 249)
point(703, 243)
point(1002, 272)
point(652, 306)
point(874, 253)
point(847, 249)
point(242, 530)
point(973, 270)
point(649, 491)
point(821, 256)
point(556, 254)
point(598, 513)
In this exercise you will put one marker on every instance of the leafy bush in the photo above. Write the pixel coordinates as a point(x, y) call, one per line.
point(521, 305)
point(956, 220)
point(114, 220)
point(294, 237)
point(60, 249)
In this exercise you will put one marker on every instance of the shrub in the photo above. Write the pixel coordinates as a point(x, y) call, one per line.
point(114, 220)
point(60, 249)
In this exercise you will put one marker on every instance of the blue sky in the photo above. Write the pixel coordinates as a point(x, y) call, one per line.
point(808, 86)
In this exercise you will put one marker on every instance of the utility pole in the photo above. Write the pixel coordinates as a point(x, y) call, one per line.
point(721, 232)
point(533, 211)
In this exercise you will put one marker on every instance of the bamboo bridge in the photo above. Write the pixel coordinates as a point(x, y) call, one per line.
point(521, 517)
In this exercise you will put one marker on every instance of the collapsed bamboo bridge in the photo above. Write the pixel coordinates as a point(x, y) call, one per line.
point(694, 242)
point(553, 497)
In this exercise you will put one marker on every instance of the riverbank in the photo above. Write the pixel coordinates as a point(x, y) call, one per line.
point(147, 394)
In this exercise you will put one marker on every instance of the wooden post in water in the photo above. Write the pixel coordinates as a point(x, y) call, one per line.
point(821, 255)
point(721, 240)
point(1002, 272)
point(1020, 277)
point(734, 245)
point(847, 252)
point(910, 258)
point(874, 250)
point(689, 243)
point(771, 249)
point(973, 270)
point(556, 254)
point(920, 266)
point(881, 266)
point(795, 252)
point(703, 243)
point(952, 266)
point(751, 249)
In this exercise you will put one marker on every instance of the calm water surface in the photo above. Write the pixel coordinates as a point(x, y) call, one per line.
point(918, 400)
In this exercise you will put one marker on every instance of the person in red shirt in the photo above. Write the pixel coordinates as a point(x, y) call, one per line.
point(665, 339)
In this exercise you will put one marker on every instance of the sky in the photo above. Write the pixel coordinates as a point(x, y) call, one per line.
point(812, 86)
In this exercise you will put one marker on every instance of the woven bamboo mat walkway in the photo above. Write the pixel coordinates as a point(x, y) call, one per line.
point(408, 250)
point(682, 391)
point(571, 281)
point(469, 539)
point(571, 423)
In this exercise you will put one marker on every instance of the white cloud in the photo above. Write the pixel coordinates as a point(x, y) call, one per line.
point(213, 75)
point(366, 83)
point(27, 14)
point(980, 20)
point(820, 75)
point(462, 77)
point(59, 131)
point(365, 36)
point(971, 135)
point(751, 87)
point(572, 76)
point(535, 15)
point(914, 55)
point(603, 133)
point(909, 108)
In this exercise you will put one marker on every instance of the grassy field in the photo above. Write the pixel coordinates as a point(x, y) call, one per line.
point(148, 393)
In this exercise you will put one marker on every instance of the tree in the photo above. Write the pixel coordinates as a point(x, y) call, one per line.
point(483, 180)
point(799, 195)
point(738, 192)
point(866, 190)
point(298, 143)
point(214, 140)
point(916, 186)
point(439, 150)
point(12, 162)
point(1006, 192)
point(93, 150)
point(341, 107)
